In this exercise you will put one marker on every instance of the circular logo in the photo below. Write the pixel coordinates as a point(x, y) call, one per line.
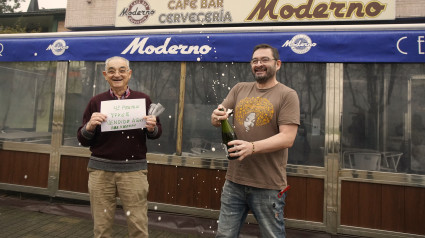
point(301, 44)
point(138, 12)
point(1, 49)
point(58, 47)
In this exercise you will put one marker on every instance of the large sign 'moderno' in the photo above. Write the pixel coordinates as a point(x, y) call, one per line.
point(132, 13)
point(340, 10)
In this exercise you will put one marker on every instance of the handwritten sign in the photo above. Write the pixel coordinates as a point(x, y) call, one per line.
point(123, 114)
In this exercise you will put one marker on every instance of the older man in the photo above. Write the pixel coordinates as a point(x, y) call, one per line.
point(117, 164)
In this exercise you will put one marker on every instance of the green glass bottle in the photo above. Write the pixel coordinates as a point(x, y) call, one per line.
point(227, 135)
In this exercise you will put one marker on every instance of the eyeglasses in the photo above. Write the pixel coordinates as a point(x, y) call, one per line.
point(263, 60)
point(112, 72)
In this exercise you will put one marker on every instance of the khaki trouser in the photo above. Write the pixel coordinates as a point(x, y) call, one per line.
point(132, 188)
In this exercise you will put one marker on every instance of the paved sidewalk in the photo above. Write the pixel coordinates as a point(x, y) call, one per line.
point(44, 219)
point(31, 217)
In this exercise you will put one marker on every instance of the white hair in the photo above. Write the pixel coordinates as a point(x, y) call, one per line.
point(116, 57)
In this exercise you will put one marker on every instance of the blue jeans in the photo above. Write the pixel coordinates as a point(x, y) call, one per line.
point(237, 200)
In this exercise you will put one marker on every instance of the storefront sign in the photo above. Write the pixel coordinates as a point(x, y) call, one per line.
point(137, 13)
point(361, 46)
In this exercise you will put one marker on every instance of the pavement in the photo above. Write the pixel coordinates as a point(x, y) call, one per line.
point(32, 216)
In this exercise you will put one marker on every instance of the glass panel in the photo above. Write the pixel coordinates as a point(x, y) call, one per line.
point(79, 89)
point(383, 117)
point(27, 95)
point(207, 84)
point(416, 122)
point(160, 80)
point(309, 80)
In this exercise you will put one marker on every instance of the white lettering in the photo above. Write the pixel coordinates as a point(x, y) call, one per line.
point(150, 49)
point(163, 48)
point(183, 49)
point(139, 45)
point(291, 43)
point(420, 41)
point(173, 49)
point(398, 45)
point(204, 49)
point(134, 45)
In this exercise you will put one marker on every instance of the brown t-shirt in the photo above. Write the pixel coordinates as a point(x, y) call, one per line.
point(258, 115)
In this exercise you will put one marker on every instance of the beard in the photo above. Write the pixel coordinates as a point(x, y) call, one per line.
point(270, 72)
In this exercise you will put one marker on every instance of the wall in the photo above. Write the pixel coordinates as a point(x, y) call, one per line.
point(95, 13)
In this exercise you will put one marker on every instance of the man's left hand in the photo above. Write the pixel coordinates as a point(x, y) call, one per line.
point(150, 123)
point(241, 148)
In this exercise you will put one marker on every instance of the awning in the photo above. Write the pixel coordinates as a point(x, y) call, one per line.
point(401, 46)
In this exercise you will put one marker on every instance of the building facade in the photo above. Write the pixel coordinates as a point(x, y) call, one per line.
point(358, 163)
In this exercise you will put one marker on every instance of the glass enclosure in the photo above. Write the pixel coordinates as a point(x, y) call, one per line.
point(27, 92)
point(382, 129)
point(383, 117)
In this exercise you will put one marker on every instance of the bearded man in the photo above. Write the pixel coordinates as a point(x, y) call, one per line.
point(266, 120)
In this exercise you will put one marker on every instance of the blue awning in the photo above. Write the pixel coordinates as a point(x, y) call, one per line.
point(313, 46)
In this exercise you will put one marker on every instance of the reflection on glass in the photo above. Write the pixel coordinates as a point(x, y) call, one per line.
point(382, 110)
point(207, 84)
point(27, 94)
point(309, 81)
point(160, 80)
point(79, 89)
point(417, 123)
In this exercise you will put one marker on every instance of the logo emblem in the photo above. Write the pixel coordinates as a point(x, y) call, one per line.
point(138, 12)
point(1, 49)
point(58, 47)
point(300, 44)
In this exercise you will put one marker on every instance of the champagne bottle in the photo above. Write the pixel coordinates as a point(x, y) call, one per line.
point(227, 135)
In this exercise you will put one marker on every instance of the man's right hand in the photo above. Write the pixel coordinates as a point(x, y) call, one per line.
point(218, 115)
point(96, 119)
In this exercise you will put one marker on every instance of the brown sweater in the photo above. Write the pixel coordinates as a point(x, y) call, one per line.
point(120, 151)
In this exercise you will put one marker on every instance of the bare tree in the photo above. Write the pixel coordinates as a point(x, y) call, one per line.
point(9, 6)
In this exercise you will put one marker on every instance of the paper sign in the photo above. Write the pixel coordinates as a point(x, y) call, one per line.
point(123, 114)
